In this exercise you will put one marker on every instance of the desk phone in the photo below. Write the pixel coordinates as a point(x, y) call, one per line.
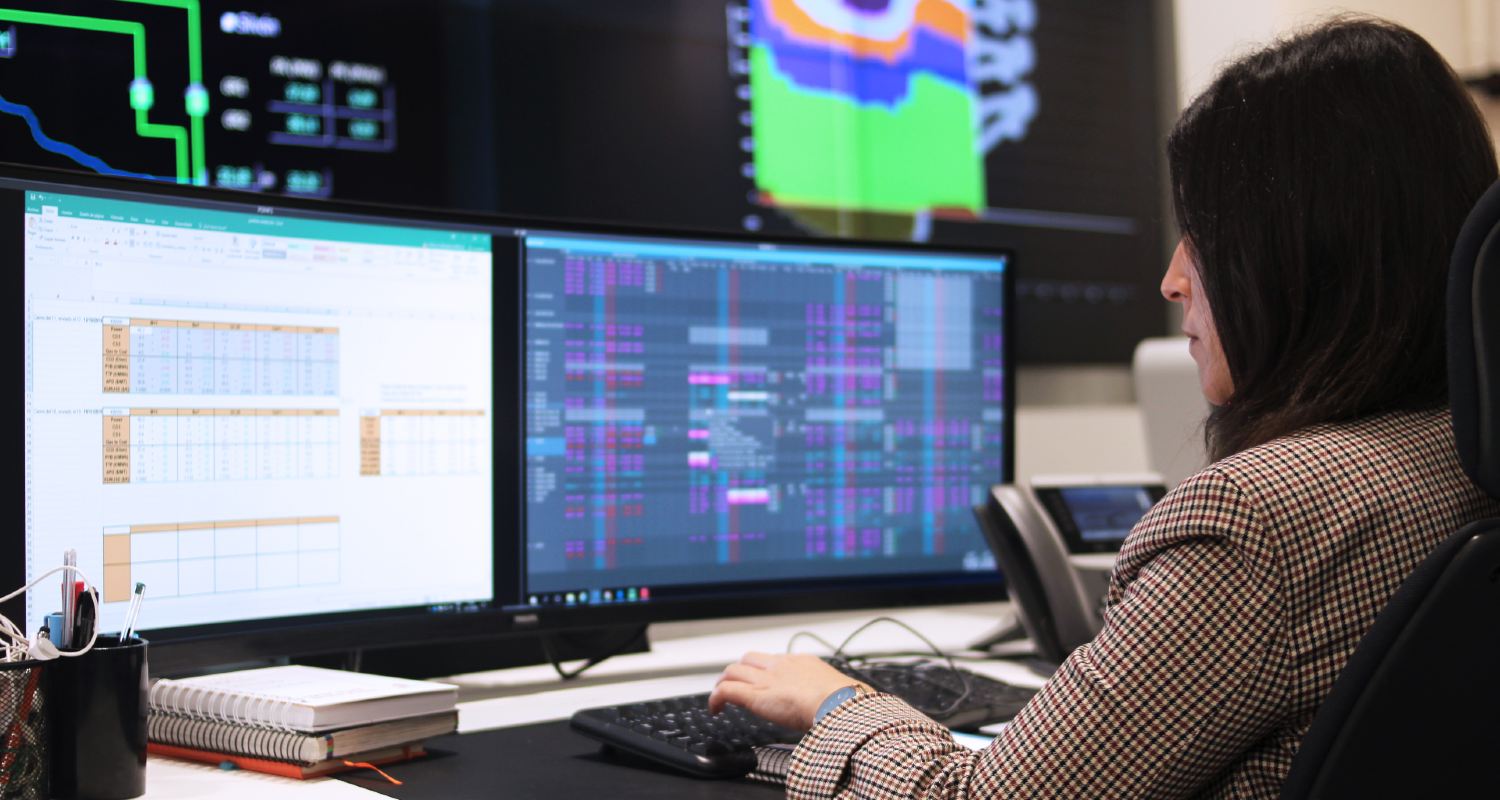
point(1055, 540)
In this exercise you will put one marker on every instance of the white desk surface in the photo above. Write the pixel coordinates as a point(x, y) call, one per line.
point(172, 779)
point(685, 658)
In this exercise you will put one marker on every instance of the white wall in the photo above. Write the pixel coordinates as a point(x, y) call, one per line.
point(1092, 439)
point(1210, 32)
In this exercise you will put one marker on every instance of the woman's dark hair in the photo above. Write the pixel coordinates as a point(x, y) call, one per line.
point(1319, 185)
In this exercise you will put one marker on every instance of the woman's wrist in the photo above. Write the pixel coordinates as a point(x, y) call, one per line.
point(837, 698)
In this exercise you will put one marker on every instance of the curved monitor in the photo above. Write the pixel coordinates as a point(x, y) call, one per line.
point(309, 426)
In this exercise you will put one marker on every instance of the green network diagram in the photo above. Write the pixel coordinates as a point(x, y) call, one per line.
point(191, 163)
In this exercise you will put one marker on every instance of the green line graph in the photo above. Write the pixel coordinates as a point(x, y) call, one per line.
point(191, 161)
point(134, 29)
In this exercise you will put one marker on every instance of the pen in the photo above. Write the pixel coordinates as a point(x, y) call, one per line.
point(70, 559)
point(132, 612)
point(83, 626)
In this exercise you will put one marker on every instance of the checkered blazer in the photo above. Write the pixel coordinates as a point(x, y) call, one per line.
point(1233, 605)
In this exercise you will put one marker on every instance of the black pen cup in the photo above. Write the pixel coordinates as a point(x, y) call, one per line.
point(97, 706)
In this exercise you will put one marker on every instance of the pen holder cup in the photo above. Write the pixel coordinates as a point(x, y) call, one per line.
point(24, 747)
point(97, 711)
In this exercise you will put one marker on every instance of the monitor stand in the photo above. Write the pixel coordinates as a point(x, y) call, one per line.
point(1009, 630)
point(497, 652)
point(1009, 640)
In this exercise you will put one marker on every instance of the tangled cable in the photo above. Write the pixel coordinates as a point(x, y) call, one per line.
point(15, 646)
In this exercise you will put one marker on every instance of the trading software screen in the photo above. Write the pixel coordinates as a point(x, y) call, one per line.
point(707, 417)
point(255, 413)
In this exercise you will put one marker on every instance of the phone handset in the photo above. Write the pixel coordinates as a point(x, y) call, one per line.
point(1055, 540)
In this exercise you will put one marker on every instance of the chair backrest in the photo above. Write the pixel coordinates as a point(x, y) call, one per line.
point(1416, 710)
point(1474, 342)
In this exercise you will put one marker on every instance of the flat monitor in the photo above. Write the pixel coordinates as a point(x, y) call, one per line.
point(269, 415)
point(719, 426)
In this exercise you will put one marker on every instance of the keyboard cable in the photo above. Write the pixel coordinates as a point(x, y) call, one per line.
point(860, 670)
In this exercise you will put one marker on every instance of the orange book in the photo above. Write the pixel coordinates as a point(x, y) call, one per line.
point(385, 755)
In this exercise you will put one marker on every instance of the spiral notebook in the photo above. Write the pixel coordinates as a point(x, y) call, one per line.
point(305, 748)
point(297, 698)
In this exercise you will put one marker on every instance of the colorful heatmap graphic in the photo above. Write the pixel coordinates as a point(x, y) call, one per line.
point(865, 105)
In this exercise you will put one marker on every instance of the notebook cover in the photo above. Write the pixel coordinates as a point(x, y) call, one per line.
point(388, 755)
point(300, 698)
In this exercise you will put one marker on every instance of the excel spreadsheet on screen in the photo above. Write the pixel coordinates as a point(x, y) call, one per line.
point(255, 416)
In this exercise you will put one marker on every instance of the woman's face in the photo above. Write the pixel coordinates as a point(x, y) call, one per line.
point(1181, 285)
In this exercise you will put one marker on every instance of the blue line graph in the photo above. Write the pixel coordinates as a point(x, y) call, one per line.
point(52, 145)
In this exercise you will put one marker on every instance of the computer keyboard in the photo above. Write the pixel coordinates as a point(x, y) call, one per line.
point(679, 732)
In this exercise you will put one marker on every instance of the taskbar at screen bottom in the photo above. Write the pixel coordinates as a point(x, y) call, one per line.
point(256, 625)
point(969, 585)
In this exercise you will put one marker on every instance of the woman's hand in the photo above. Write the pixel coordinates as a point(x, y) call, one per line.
point(785, 689)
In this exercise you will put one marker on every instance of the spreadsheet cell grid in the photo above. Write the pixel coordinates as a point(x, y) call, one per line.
point(166, 445)
point(153, 356)
point(194, 558)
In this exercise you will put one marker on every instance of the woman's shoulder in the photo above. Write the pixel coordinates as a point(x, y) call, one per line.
point(1330, 454)
point(1318, 462)
point(1307, 478)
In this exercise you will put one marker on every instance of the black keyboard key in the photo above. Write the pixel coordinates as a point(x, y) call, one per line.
point(680, 732)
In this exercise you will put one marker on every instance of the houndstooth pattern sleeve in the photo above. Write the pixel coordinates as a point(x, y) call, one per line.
point(1187, 673)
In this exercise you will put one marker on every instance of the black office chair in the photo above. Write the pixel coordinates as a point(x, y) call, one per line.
point(1416, 711)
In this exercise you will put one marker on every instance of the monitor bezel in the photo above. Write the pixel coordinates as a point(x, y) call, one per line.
point(183, 649)
point(773, 597)
point(195, 647)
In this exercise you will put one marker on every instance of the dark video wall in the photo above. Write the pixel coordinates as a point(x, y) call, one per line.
point(1011, 123)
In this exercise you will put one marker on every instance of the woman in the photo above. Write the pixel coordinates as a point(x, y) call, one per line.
point(1319, 186)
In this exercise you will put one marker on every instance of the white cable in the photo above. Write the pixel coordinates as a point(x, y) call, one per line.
point(19, 641)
